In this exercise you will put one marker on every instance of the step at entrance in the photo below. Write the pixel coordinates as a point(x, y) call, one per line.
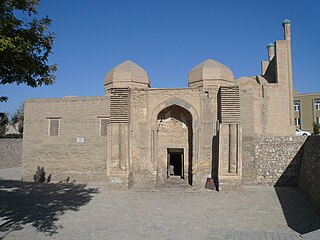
point(175, 182)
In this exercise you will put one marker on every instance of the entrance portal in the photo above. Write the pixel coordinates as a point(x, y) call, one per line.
point(175, 162)
point(174, 130)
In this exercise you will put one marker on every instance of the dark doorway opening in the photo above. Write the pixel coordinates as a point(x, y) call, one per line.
point(175, 162)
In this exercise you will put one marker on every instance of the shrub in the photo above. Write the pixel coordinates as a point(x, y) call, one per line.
point(40, 175)
point(4, 123)
point(316, 128)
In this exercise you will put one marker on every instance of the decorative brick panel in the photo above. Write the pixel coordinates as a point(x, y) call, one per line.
point(119, 105)
point(229, 104)
point(104, 123)
point(54, 127)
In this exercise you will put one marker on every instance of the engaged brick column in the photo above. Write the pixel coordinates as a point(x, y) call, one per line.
point(229, 172)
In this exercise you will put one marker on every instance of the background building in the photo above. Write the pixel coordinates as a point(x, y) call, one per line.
point(306, 110)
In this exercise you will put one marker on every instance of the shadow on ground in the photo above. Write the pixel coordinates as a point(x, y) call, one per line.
point(299, 214)
point(39, 204)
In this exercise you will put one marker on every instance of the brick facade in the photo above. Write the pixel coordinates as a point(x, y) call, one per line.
point(198, 130)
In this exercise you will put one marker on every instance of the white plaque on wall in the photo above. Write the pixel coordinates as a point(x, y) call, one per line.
point(80, 140)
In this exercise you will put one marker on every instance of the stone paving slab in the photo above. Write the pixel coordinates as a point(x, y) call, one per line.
point(68, 211)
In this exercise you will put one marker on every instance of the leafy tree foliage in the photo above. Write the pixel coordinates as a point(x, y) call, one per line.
point(25, 45)
point(16, 119)
point(4, 123)
point(316, 128)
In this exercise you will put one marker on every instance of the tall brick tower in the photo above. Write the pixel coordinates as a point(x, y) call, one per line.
point(287, 36)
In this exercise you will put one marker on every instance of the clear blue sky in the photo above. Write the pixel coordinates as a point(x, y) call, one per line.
point(168, 38)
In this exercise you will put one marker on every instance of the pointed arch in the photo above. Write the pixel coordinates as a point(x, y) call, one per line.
point(179, 102)
point(190, 147)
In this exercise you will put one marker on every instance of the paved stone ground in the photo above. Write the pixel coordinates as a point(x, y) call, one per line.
point(69, 211)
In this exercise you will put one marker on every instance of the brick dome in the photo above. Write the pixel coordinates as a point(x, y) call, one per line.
point(127, 74)
point(210, 71)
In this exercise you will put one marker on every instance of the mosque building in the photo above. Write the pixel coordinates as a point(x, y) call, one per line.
point(139, 136)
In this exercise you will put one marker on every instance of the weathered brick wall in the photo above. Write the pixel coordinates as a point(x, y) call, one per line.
point(272, 160)
point(11, 152)
point(309, 179)
point(248, 160)
point(63, 156)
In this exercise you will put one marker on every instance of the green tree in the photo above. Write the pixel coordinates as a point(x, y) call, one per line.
point(316, 128)
point(16, 119)
point(4, 123)
point(25, 45)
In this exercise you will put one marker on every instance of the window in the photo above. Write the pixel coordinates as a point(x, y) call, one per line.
point(318, 120)
point(317, 104)
point(297, 121)
point(104, 123)
point(296, 106)
point(54, 126)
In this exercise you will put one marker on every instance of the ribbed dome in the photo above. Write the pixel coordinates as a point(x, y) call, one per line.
point(210, 70)
point(286, 21)
point(127, 72)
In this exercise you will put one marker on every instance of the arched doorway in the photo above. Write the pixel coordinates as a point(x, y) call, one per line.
point(174, 145)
